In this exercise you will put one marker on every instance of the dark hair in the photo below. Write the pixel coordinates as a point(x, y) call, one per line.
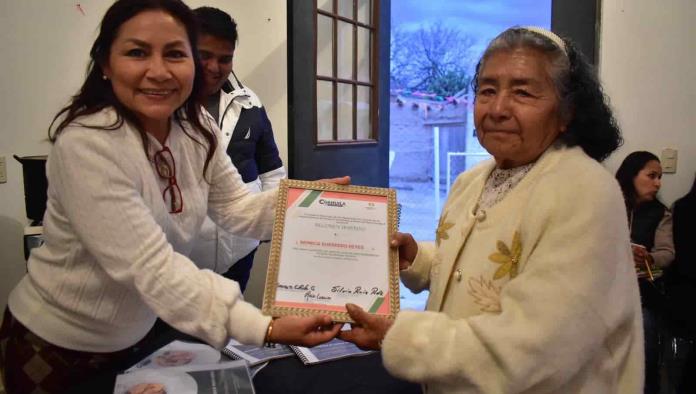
point(628, 170)
point(591, 124)
point(217, 23)
point(97, 93)
point(692, 192)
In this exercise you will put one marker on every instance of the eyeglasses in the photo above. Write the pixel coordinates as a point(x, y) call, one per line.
point(166, 169)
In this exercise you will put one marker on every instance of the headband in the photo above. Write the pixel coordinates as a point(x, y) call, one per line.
point(550, 35)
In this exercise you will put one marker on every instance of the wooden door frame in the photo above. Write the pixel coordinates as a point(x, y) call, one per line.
point(579, 20)
point(344, 159)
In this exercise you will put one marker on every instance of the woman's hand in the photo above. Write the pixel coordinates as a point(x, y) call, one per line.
point(640, 255)
point(368, 331)
point(303, 331)
point(344, 180)
point(408, 248)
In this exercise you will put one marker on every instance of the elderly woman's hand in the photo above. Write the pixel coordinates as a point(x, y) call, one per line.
point(303, 331)
point(408, 249)
point(368, 331)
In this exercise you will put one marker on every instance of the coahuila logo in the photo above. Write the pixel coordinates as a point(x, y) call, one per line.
point(332, 203)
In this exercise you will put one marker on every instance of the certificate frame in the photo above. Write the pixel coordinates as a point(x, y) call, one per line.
point(389, 306)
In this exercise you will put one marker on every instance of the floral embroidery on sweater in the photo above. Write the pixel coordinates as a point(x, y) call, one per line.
point(442, 227)
point(485, 294)
point(507, 257)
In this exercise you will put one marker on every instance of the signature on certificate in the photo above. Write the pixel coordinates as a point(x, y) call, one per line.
point(357, 290)
point(311, 296)
point(297, 287)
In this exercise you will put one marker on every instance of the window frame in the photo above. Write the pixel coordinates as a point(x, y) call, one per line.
point(372, 84)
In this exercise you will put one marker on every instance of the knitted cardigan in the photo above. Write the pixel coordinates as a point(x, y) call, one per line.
point(537, 294)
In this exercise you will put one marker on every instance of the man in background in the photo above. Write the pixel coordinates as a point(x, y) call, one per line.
point(247, 136)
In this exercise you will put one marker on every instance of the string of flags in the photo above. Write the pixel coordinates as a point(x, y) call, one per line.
point(427, 102)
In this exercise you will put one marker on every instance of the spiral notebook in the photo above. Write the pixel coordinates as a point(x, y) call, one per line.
point(335, 349)
point(254, 354)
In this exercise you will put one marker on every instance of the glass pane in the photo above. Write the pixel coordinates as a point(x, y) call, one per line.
point(345, 112)
point(345, 50)
point(363, 118)
point(364, 11)
point(324, 46)
point(326, 5)
point(324, 111)
point(363, 54)
point(345, 8)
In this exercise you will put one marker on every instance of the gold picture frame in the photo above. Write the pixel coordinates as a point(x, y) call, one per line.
point(321, 258)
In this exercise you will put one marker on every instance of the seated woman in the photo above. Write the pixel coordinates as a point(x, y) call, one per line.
point(650, 224)
point(532, 286)
point(132, 174)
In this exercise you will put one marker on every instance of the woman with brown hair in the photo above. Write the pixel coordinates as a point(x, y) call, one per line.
point(650, 226)
point(132, 174)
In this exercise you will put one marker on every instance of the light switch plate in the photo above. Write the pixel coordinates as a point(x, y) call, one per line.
point(3, 170)
point(669, 160)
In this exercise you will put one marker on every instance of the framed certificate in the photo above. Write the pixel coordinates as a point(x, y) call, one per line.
point(330, 247)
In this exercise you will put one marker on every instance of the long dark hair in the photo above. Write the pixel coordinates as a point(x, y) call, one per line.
point(628, 170)
point(96, 93)
point(591, 124)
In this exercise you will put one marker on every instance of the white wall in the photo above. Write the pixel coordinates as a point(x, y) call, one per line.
point(648, 67)
point(45, 45)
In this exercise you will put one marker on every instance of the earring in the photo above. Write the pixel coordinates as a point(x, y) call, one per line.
point(104, 77)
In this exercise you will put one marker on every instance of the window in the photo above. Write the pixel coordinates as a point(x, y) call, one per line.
point(346, 72)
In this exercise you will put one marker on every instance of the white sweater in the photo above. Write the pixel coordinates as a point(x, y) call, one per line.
point(114, 258)
point(536, 294)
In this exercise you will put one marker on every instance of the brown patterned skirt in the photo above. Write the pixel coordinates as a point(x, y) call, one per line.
point(29, 364)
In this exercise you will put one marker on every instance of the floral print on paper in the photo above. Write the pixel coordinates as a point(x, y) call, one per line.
point(507, 257)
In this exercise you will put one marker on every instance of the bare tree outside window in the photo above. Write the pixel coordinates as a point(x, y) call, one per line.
point(435, 58)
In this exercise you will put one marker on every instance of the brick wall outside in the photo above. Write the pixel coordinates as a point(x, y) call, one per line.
point(411, 138)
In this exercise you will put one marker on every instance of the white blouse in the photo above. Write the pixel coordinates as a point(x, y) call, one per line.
point(500, 182)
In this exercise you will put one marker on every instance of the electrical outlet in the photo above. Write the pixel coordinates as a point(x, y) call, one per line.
point(669, 160)
point(3, 170)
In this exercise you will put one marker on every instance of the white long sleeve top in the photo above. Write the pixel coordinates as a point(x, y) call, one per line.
point(114, 258)
point(536, 294)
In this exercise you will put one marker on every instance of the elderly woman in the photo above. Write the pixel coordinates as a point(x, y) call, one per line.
point(532, 286)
